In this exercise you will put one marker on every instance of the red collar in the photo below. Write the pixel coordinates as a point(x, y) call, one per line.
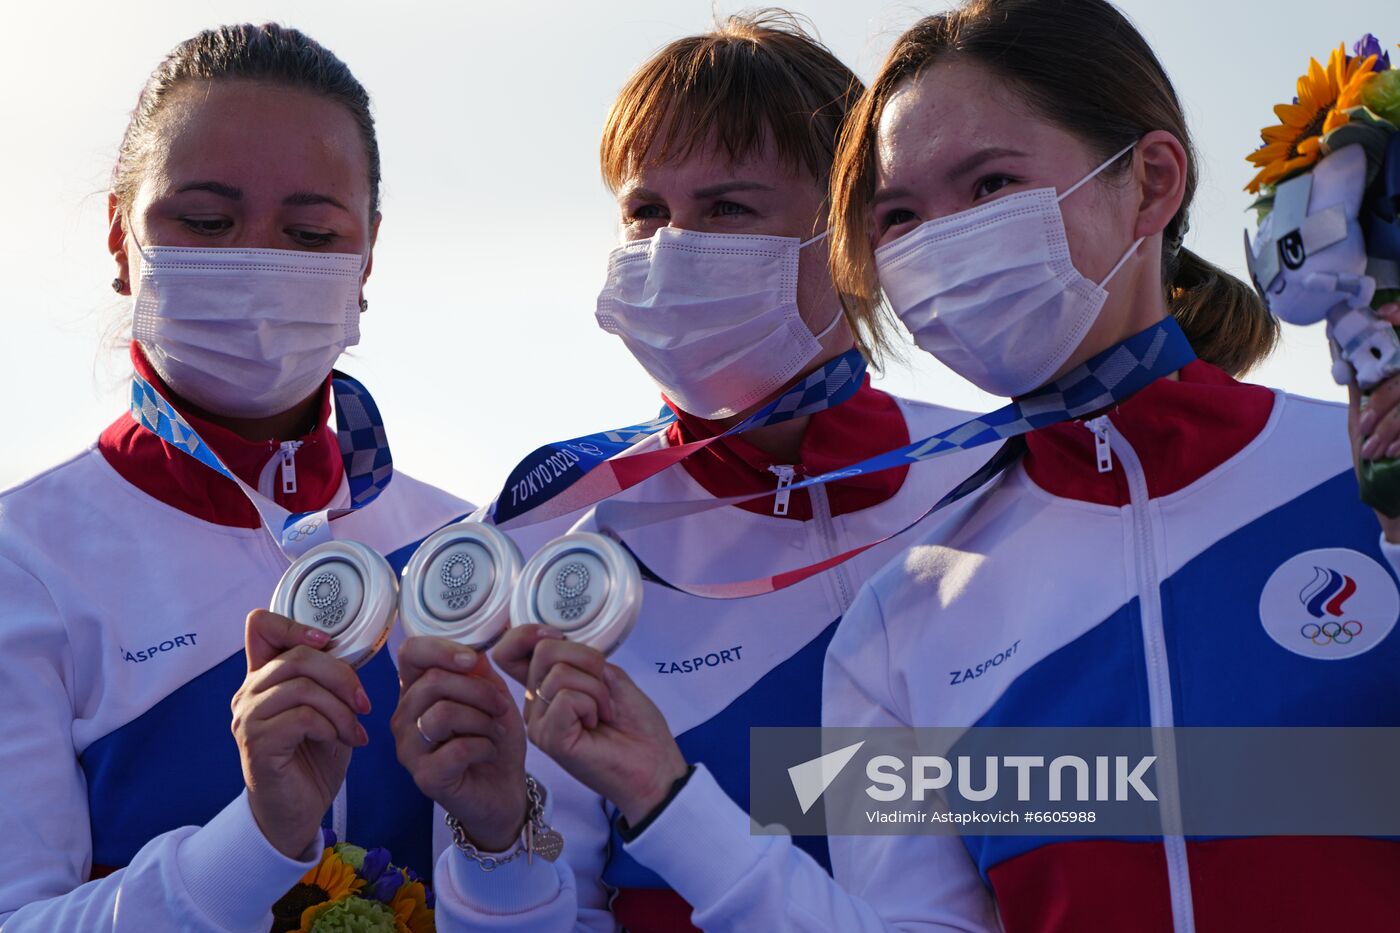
point(1180, 428)
point(868, 423)
point(177, 479)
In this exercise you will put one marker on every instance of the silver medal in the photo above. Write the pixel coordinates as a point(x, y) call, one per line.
point(458, 584)
point(346, 590)
point(585, 585)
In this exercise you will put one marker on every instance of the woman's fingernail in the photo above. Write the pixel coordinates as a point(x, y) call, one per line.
point(361, 734)
point(465, 659)
point(361, 700)
point(1371, 448)
point(1393, 451)
point(549, 631)
point(1368, 420)
point(315, 636)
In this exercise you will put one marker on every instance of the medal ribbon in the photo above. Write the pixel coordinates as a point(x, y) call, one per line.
point(363, 447)
point(1102, 381)
point(566, 476)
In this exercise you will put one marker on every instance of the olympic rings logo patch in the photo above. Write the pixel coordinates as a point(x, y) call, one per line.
point(304, 531)
point(1328, 633)
point(1329, 604)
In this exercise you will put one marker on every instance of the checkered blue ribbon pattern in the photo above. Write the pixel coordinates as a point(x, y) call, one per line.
point(369, 466)
point(565, 476)
point(1102, 381)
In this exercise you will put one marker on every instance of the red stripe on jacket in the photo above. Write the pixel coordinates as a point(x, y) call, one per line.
point(177, 479)
point(868, 423)
point(1180, 428)
point(1274, 884)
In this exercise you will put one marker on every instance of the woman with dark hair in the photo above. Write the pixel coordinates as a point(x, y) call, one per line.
point(244, 208)
point(1016, 183)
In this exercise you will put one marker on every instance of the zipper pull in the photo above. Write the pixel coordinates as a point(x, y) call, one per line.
point(780, 499)
point(289, 466)
point(1102, 451)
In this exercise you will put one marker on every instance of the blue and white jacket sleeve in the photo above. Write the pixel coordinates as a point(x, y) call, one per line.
point(539, 896)
point(918, 882)
point(702, 845)
point(223, 876)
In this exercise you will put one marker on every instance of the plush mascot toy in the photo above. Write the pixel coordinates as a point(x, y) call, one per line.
point(1328, 242)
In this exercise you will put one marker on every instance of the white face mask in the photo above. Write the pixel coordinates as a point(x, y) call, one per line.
point(711, 316)
point(992, 293)
point(245, 333)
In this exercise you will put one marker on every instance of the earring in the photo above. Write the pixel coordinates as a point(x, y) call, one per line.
point(118, 285)
point(364, 305)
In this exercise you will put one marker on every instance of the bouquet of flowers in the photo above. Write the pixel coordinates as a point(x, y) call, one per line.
point(355, 890)
point(1328, 241)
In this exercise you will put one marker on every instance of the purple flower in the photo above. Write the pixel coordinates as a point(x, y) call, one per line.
point(1369, 45)
point(384, 887)
point(376, 860)
point(328, 839)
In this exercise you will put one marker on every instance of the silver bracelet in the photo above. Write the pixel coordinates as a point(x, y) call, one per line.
point(538, 837)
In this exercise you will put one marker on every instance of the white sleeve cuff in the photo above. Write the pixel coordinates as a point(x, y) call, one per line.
point(233, 874)
point(680, 844)
point(1392, 554)
point(517, 886)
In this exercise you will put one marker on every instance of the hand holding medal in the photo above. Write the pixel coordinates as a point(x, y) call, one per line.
point(295, 719)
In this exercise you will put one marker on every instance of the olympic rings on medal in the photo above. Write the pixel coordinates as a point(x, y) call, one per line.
point(1328, 633)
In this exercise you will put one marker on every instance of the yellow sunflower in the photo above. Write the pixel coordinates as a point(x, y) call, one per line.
point(332, 876)
point(1324, 96)
point(411, 911)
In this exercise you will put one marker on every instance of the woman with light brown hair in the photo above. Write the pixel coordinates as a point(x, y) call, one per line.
point(718, 150)
point(1016, 183)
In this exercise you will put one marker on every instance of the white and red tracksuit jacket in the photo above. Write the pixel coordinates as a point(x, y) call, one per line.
point(125, 577)
point(716, 668)
point(1179, 588)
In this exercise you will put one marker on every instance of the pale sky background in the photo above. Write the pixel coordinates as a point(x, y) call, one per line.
point(480, 342)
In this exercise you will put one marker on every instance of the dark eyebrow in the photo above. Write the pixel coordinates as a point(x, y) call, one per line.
point(977, 159)
point(645, 194)
point(714, 191)
point(888, 194)
point(309, 198)
point(213, 187)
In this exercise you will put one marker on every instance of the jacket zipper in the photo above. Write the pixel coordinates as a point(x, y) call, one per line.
point(288, 451)
point(1159, 690)
point(840, 574)
point(1103, 450)
point(281, 469)
point(785, 474)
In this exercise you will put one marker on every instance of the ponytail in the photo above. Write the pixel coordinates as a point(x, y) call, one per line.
point(1224, 318)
